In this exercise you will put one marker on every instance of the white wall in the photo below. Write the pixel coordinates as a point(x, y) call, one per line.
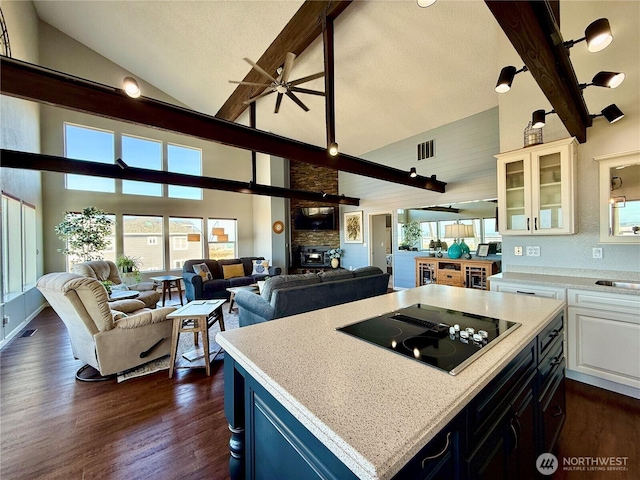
point(62, 53)
point(20, 130)
point(572, 254)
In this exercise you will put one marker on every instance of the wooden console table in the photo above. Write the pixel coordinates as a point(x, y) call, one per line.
point(460, 272)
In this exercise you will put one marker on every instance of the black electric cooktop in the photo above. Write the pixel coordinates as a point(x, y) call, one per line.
point(446, 339)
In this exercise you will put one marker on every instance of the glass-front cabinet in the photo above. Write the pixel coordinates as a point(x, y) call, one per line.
point(536, 189)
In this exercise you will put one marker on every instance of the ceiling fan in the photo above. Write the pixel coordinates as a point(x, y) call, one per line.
point(281, 84)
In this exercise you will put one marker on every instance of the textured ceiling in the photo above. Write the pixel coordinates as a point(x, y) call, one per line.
point(399, 69)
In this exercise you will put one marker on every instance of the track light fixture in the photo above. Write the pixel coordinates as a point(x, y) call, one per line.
point(121, 163)
point(413, 173)
point(506, 78)
point(597, 35)
point(131, 87)
point(333, 149)
point(612, 113)
point(538, 118)
point(605, 79)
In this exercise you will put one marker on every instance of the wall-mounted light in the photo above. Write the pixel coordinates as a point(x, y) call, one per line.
point(538, 118)
point(121, 163)
point(333, 149)
point(131, 87)
point(612, 113)
point(425, 3)
point(506, 78)
point(597, 35)
point(605, 79)
point(413, 173)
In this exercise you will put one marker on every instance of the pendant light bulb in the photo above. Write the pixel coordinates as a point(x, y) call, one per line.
point(537, 119)
point(131, 87)
point(333, 149)
point(413, 173)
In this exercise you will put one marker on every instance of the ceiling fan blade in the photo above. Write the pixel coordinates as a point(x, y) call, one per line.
point(306, 79)
point(306, 90)
point(278, 102)
point(288, 66)
point(247, 102)
point(259, 69)
point(297, 100)
point(249, 83)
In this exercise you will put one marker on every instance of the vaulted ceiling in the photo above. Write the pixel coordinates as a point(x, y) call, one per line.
point(399, 69)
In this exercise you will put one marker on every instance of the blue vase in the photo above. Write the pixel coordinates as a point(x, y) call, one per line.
point(454, 251)
point(464, 247)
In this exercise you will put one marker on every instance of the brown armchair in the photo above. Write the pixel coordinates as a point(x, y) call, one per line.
point(108, 340)
point(103, 270)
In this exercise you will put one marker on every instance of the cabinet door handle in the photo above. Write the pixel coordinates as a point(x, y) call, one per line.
point(438, 455)
point(528, 224)
point(556, 361)
point(558, 411)
point(515, 432)
point(525, 293)
point(535, 223)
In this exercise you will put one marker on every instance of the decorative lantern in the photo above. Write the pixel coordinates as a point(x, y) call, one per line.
point(532, 136)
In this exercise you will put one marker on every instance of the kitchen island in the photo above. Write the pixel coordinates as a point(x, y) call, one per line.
point(306, 401)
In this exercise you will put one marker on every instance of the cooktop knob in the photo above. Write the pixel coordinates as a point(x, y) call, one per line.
point(457, 327)
point(483, 333)
point(452, 330)
point(464, 334)
point(470, 330)
point(477, 337)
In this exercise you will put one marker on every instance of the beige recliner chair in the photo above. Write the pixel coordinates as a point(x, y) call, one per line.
point(103, 270)
point(110, 337)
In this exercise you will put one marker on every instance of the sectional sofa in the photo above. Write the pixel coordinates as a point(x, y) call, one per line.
point(292, 294)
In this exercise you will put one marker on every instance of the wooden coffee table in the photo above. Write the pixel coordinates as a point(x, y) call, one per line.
point(251, 288)
point(196, 317)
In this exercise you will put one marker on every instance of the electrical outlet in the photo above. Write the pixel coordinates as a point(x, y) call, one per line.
point(517, 251)
point(6, 319)
point(533, 251)
point(597, 252)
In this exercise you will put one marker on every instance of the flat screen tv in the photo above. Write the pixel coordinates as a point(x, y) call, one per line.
point(314, 218)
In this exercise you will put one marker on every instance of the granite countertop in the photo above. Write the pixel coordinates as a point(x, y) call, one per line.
point(375, 409)
point(564, 281)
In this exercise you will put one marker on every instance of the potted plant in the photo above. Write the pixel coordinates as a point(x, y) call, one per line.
point(411, 235)
point(129, 265)
point(85, 234)
point(334, 255)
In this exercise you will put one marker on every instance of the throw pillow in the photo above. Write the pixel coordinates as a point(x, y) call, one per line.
point(260, 267)
point(202, 270)
point(232, 271)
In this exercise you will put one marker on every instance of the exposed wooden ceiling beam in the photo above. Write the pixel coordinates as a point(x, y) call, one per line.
point(303, 28)
point(50, 163)
point(30, 82)
point(532, 29)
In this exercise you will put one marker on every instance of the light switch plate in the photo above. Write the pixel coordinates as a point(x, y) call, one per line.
point(597, 252)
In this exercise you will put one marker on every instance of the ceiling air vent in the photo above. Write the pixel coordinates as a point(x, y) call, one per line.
point(426, 150)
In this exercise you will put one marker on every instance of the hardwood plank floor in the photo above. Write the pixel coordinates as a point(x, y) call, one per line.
point(53, 427)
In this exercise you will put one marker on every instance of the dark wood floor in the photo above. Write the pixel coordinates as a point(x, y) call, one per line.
point(53, 427)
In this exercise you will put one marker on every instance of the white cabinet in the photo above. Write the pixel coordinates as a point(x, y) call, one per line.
point(536, 189)
point(556, 293)
point(604, 335)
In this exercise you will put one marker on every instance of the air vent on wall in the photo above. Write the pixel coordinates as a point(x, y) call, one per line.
point(426, 149)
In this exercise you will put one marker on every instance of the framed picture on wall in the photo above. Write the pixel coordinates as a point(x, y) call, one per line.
point(353, 230)
point(483, 250)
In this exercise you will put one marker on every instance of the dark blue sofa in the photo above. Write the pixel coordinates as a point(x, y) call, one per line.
point(292, 294)
point(196, 289)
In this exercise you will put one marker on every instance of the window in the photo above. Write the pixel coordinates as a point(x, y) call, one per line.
point(89, 144)
point(186, 240)
point(136, 232)
point(19, 250)
point(141, 153)
point(188, 161)
point(429, 232)
point(222, 238)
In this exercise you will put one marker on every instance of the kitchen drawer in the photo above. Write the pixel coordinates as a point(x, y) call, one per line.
point(550, 364)
point(526, 289)
point(553, 408)
point(438, 460)
point(490, 402)
point(609, 302)
point(551, 332)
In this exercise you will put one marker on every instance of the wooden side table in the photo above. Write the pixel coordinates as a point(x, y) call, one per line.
point(196, 317)
point(169, 281)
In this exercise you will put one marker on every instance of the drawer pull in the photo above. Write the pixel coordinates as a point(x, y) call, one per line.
point(556, 361)
point(438, 455)
point(554, 333)
point(515, 432)
point(525, 293)
point(558, 411)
